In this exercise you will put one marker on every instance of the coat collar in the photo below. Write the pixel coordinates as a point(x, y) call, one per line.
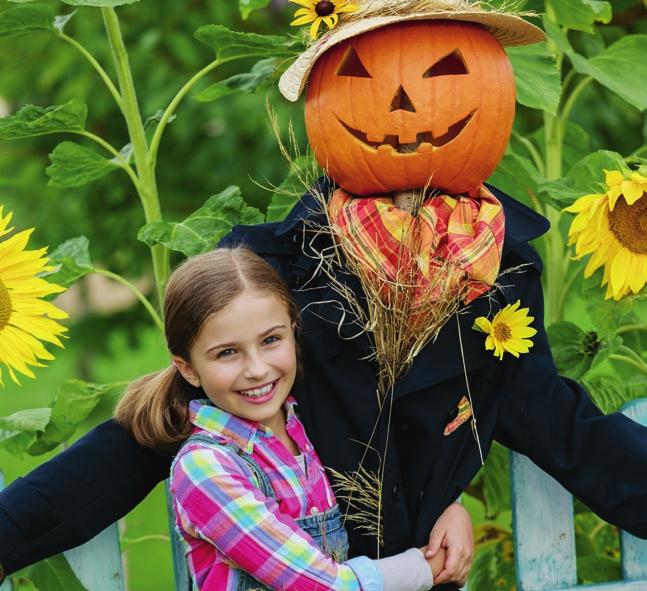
point(522, 224)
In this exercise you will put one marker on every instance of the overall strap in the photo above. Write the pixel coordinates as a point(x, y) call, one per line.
point(248, 463)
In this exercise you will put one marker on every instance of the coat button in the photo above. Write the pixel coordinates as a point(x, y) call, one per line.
point(396, 492)
point(419, 497)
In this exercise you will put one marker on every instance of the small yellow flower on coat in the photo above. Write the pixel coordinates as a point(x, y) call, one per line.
point(315, 12)
point(612, 228)
point(25, 318)
point(508, 332)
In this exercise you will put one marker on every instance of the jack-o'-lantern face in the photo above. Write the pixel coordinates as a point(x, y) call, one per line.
point(411, 105)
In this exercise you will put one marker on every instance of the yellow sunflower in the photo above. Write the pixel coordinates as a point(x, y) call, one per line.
point(612, 227)
point(509, 330)
point(25, 319)
point(320, 11)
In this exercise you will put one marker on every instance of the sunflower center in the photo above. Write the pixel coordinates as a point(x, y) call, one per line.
point(502, 332)
point(628, 223)
point(5, 305)
point(324, 8)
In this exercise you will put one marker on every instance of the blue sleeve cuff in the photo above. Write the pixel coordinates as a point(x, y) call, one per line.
point(368, 574)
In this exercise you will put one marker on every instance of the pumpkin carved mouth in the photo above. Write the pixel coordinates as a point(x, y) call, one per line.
point(425, 140)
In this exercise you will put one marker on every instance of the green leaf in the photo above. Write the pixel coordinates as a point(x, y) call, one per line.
point(34, 419)
point(622, 68)
point(26, 19)
point(55, 574)
point(496, 481)
point(71, 260)
point(303, 170)
point(257, 78)
point(32, 121)
point(610, 393)
point(572, 348)
point(230, 44)
point(246, 7)
point(586, 177)
point(493, 566)
point(539, 84)
point(73, 404)
point(74, 165)
point(581, 14)
point(99, 2)
point(202, 230)
point(606, 315)
point(518, 176)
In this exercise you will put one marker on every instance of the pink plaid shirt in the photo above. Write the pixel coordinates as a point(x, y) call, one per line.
point(225, 519)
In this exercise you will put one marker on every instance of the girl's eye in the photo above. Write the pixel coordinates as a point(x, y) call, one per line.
point(225, 353)
point(270, 340)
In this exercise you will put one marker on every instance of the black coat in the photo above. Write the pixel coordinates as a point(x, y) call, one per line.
point(521, 403)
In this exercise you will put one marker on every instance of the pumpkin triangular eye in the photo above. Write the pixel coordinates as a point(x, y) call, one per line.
point(451, 65)
point(351, 65)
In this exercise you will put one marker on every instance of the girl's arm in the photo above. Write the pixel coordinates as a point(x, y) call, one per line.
point(215, 501)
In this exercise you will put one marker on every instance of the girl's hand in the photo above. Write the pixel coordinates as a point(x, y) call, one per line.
point(452, 532)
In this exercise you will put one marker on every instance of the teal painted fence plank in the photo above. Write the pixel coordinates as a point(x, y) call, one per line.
point(6, 586)
point(183, 580)
point(634, 550)
point(543, 523)
point(97, 563)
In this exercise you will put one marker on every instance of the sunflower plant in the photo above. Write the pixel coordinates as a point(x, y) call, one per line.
point(590, 72)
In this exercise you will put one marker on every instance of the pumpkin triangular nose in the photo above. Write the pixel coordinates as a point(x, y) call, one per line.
point(402, 102)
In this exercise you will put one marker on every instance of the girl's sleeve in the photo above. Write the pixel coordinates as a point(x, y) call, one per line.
point(216, 502)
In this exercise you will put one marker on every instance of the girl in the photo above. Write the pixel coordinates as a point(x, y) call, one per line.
point(251, 499)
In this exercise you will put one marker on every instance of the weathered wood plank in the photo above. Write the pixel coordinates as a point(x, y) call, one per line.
point(6, 586)
point(97, 563)
point(183, 580)
point(543, 513)
point(634, 550)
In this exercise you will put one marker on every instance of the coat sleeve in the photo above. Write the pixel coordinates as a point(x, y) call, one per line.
point(72, 497)
point(601, 459)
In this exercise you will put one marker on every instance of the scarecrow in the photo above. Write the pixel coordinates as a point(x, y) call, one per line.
point(409, 109)
point(393, 259)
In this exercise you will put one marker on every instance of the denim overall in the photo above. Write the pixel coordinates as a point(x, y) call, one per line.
point(325, 528)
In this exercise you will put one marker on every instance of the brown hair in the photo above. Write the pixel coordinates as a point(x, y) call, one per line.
point(155, 407)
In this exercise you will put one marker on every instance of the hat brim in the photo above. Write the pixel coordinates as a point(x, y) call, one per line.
point(508, 29)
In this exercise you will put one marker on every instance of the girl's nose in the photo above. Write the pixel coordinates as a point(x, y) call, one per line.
point(256, 368)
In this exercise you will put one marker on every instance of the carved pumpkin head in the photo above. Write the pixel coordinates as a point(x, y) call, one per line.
point(410, 105)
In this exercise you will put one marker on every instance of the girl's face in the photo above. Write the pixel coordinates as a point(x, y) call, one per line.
point(245, 358)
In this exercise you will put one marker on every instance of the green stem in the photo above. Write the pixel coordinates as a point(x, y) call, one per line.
point(572, 99)
point(631, 353)
point(636, 154)
point(177, 99)
point(140, 296)
point(533, 151)
point(558, 262)
point(565, 291)
point(120, 160)
point(96, 65)
point(632, 327)
point(145, 170)
point(641, 366)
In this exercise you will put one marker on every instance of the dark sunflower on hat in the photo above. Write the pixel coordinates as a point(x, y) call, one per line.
point(320, 11)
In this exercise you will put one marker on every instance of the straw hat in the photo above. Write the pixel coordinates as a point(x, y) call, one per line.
point(508, 28)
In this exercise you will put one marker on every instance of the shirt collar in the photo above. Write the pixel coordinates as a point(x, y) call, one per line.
point(522, 224)
point(242, 432)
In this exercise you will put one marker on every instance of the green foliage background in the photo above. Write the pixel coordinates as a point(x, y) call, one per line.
point(220, 137)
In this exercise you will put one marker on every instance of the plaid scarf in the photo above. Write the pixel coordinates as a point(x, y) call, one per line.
point(452, 239)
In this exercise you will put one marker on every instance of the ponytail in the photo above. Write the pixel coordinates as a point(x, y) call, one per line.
point(155, 409)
